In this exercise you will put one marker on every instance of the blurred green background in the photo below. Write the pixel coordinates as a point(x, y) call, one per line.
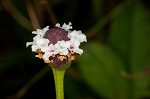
point(116, 60)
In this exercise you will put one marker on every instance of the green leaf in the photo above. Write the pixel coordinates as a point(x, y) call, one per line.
point(101, 68)
point(140, 53)
point(120, 33)
point(130, 36)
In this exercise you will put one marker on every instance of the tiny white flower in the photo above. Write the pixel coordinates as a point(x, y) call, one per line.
point(41, 32)
point(73, 34)
point(63, 52)
point(81, 37)
point(75, 47)
point(62, 44)
point(49, 51)
point(62, 47)
point(37, 37)
point(46, 55)
point(42, 41)
point(34, 47)
point(51, 48)
point(46, 48)
point(57, 25)
point(78, 50)
point(29, 43)
point(67, 27)
point(75, 43)
point(77, 35)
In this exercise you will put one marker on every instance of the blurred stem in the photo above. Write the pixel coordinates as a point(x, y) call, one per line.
point(59, 79)
point(39, 11)
point(101, 23)
point(14, 12)
point(32, 81)
point(96, 6)
point(50, 12)
point(32, 15)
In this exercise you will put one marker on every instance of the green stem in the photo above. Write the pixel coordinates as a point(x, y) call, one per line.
point(59, 78)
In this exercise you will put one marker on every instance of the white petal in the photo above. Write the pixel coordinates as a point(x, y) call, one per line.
point(82, 38)
point(41, 32)
point(73, 34)
point(34, 47)
point(80, 51)
point(76, 43)
point(42, 41)
point(62, 47)
point(70, 23)
point(37, 37)
point(29, 43)
point(57, 25)
point(62, 43)
point(47, 55)
point(51, 46)
point(66, 27)
point(34, 32)
point(57, 45)
point(46, 29)
point(67, 44)
point(38, 31)
point(77, 35)
point(45, 49)
point(65, 52)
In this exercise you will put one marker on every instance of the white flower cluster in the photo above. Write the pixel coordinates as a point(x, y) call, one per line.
point(61, 47)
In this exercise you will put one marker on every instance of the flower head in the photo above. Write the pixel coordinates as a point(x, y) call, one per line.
point(57, 45)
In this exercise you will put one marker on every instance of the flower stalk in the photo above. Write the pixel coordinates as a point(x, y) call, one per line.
point(59, 79)
point(57, 46)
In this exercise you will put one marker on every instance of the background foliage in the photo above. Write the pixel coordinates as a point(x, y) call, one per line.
point(116, 59)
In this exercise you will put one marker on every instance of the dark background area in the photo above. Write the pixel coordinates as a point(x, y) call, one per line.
point(116, 59)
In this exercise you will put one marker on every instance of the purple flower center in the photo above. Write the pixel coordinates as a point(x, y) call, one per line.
point(56, 34)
